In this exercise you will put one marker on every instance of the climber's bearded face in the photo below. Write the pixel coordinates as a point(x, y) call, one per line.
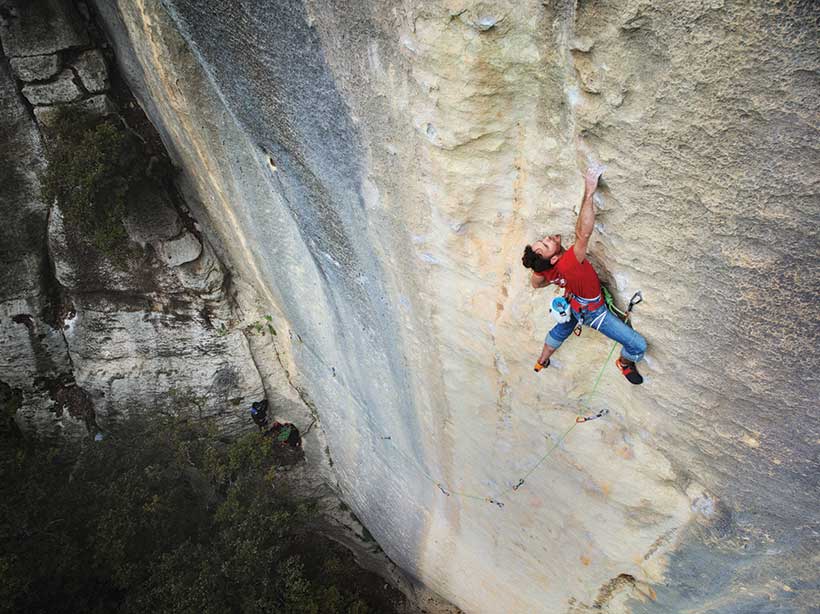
point(547, 247)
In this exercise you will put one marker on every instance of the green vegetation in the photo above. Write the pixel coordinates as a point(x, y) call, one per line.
point(262, 327)
point(93, 164)
point(165, 517)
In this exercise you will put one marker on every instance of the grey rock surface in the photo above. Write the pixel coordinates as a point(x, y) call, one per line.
point(35, 68)
point(40, 27)
point(155, 220)
point(370, 174)
point(61, 90)
point(149, 331)
point(145, 362)
point(91, 68)
point(179, 250)
point(33, 351)
point(88, 337)
point(97, 105)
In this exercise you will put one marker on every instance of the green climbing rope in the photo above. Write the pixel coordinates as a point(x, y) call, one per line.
point(495, 500)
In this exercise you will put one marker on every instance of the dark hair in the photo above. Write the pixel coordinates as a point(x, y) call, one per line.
point(533, 261)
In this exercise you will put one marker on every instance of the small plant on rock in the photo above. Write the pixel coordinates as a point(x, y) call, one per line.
point(94, 163)
point(262, 327)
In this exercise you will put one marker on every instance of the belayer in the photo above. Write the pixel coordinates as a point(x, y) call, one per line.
point(259, 414)
point(570, 269)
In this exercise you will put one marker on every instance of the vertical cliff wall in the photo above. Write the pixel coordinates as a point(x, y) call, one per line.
point(93, 332)
point(371, 172)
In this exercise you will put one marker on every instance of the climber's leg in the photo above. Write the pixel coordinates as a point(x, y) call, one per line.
point(634, 345)
point(603, 320)
point(555, 338)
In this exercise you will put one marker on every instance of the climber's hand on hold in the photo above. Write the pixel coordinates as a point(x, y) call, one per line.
point(594, 173)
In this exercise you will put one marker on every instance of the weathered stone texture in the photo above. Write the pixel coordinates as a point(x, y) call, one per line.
point(40, 27)
point(149, 331)
point(88, 337)
point(31, 350)
point(62, 90)
point(149, 361)
point(91, 68)
point(96, 105)
point(35, 68)
point(374, 172)
point(179, 250)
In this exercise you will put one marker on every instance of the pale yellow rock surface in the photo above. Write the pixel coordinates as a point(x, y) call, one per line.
point(373, 173)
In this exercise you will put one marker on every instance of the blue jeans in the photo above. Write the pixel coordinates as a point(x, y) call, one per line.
point(607, 323)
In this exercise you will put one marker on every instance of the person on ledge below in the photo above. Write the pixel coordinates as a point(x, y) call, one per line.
point(570, 269)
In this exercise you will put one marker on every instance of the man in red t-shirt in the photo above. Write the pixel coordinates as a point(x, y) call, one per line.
point(570, 269)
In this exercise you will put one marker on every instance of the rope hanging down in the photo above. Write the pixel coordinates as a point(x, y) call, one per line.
point(495, 500)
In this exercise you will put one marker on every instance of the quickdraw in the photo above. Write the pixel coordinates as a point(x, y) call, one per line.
point(610, 303)
point(600, 414)
point(636, 298)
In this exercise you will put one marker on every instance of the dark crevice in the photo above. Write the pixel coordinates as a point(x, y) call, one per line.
point(611, 588)
point(11, 400)
point(57, 307)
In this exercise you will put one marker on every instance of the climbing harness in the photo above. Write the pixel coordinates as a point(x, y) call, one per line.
point(583, 306)
point(599, 319)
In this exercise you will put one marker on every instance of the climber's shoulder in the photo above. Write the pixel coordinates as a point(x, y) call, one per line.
point(579, 249)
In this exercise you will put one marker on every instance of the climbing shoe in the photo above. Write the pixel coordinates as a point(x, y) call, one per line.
point(629, 370)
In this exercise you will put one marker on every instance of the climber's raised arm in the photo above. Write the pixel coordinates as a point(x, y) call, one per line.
point(583, 303)
point(586, 216)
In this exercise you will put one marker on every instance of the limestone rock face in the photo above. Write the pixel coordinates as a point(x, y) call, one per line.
point(88, 337)
point(35, 68)
point(91, 69)
point(147, 332)
point(97, 105)
point(34, 359)
point(373, 172)
point(24, 31)
point(63, 89)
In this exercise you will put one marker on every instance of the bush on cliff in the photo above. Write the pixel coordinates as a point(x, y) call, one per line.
point(164, 517)
point(94, 165)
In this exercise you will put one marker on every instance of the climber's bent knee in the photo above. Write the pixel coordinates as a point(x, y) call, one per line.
point(552, 341)
point(634, 348)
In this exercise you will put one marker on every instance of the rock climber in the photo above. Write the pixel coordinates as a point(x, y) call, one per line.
point(570, 269)
point(259, 414)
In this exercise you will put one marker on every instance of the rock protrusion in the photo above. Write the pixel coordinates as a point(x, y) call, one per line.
point(62, 90)
point(91, 69)
point(185, 248)
point(40, 27)
point(35, 68)
point(99, 105)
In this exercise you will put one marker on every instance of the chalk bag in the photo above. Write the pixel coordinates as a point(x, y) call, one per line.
point(559, 310)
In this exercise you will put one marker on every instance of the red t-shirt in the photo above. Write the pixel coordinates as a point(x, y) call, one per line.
point(578, 278)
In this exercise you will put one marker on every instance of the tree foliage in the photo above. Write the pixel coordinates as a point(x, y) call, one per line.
point(164, 517)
